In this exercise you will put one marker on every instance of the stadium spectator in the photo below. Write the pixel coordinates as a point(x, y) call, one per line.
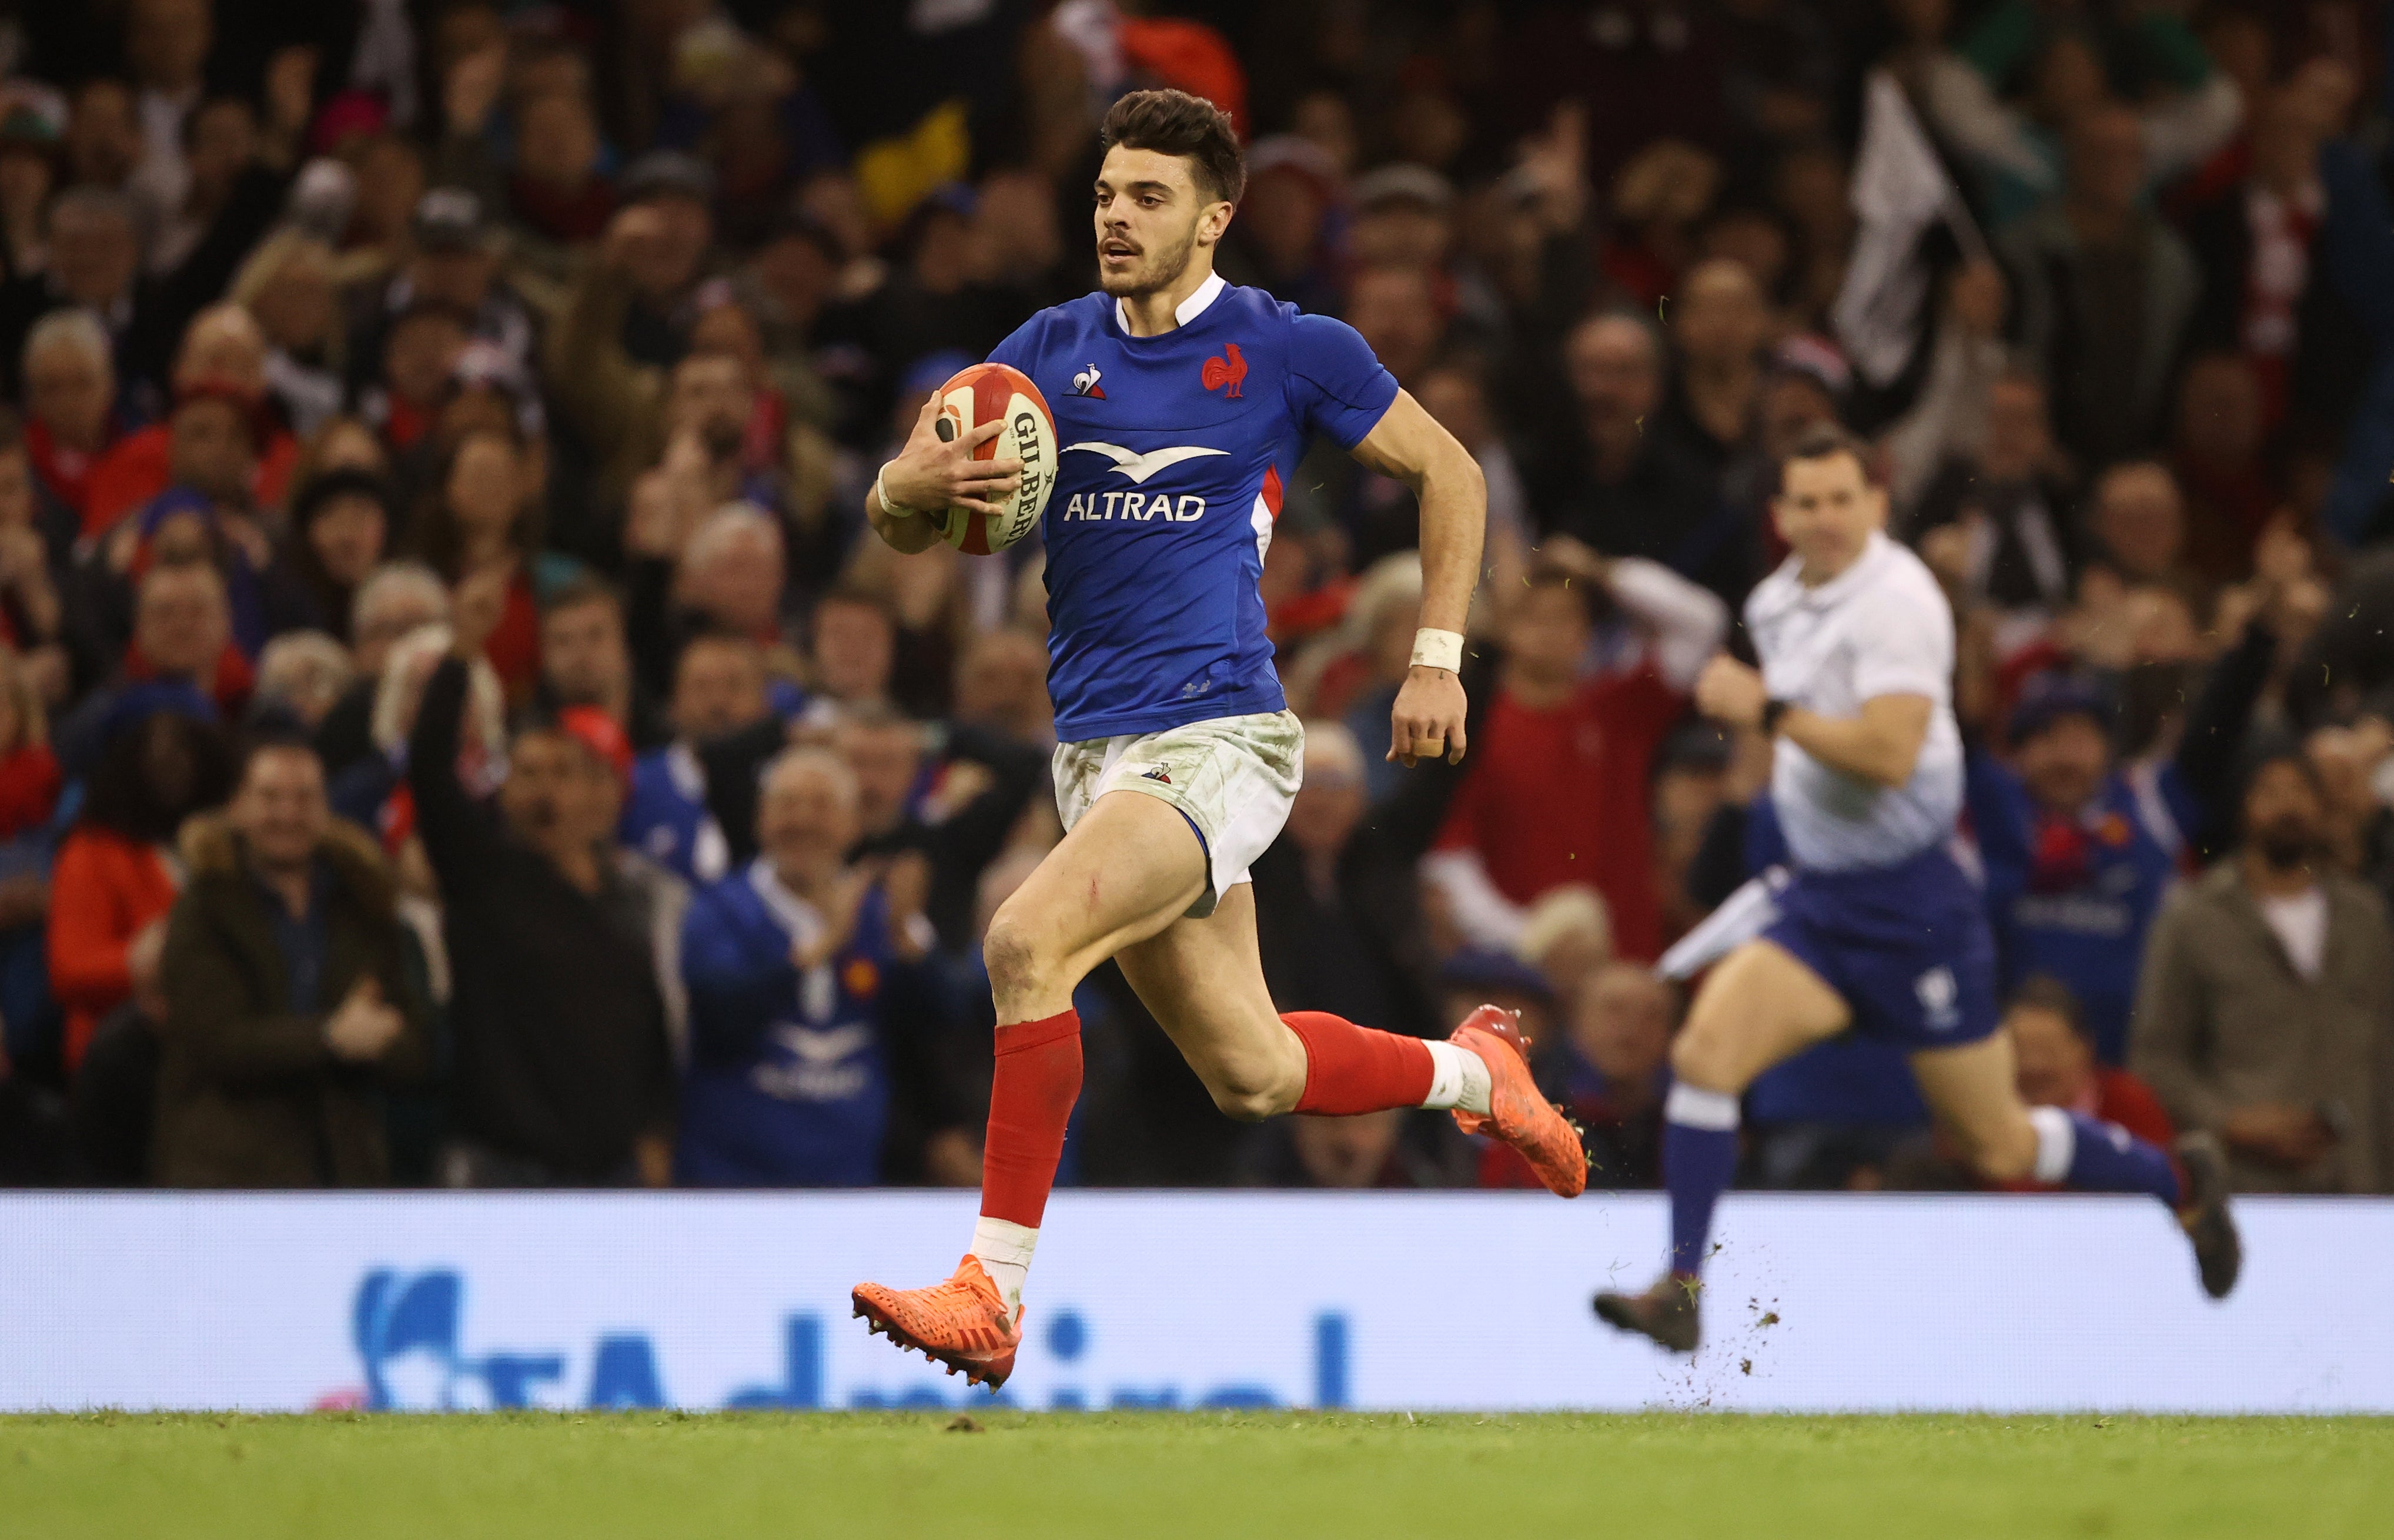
point(400, 597)
point(114, 1097)
point(291, 285)
point(1556, 791)
point(585, 660)
point(1600, 477)
point(2266, 1012)
point(183, 649)
point(72, 418)
point(2057, 1064)
point(1384, 1149)
point(340, 531)
point(481, 520)
point(1719, 325)
point(288, 995)
point(223, 353)
point(814, 1019)
point(955, 810)
point(163, 758)
point(561, 1015)
point(2079, 854)
point(718, 690)
point(1336, 915)
point(2105, 292)
point(453, 268)
point(30, 787)
point(1998, 517)
point(301, 675)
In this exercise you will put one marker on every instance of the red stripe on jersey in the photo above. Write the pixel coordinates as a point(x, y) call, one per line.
point(1271, 491)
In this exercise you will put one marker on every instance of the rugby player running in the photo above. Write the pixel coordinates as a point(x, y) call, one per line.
point(1182, 405)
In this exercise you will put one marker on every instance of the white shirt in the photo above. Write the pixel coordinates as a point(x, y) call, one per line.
point(2301, 926)
point(1880, 628)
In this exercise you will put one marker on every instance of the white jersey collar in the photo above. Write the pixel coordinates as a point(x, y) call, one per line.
point(799, 919)
point(1187, 310)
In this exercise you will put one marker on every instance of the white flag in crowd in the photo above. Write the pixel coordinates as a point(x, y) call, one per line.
point(1900, 188)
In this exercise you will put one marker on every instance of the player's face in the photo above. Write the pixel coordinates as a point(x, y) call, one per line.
point(1827, 511)
point(1151, 219)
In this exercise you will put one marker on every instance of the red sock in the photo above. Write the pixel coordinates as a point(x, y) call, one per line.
point(1030, 1100)
point(1350, 1069)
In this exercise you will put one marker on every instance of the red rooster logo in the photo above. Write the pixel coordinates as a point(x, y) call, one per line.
point(1229, 370)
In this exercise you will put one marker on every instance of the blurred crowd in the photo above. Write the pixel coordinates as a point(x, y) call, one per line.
point(456, 730)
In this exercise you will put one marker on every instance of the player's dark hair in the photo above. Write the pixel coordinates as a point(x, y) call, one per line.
point(2046, 993)
point(1820, 441)
point(1173, 122)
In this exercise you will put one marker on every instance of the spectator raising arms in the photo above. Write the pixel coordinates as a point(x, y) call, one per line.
point(560, 1010)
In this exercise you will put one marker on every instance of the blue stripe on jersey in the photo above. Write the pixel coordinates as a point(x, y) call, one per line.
point(1170, 452)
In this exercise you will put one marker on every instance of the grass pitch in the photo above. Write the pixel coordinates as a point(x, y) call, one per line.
point(1314, 1476)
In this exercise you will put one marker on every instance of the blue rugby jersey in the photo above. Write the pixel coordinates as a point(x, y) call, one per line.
point(1173, 455)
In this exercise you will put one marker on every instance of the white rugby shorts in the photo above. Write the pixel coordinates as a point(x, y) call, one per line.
point(1232, 777)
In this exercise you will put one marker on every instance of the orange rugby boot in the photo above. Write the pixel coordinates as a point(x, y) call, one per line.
point(1516, 1112)
point(961, 1323)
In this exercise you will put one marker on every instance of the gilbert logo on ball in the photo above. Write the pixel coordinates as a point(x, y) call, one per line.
point(992, 392)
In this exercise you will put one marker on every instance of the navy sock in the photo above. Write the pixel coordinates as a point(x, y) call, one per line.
point(1699, 1158)
point(2105, 1157)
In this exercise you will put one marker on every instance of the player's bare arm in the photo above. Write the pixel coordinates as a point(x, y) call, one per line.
point(1409, 446)
point(909, 501)
point(1882, 744)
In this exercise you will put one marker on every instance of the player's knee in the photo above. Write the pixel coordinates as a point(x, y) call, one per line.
point(1250, 1093)
point(1701, 1058)
point(1013, 956)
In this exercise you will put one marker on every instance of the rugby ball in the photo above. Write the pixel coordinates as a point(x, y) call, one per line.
point(993, 392)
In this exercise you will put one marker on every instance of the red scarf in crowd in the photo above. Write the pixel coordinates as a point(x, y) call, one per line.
point(67, 472)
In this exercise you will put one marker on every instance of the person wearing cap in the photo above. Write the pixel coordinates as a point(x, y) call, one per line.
point(2265, 1013)
point(452, 264)
point(563, 950)
point(2080, 851)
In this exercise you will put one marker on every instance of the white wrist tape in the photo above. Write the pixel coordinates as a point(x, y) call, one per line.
point(1436, 649)
point(888, 504)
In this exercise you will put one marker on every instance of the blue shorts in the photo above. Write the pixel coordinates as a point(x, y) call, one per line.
point(1908, 947)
